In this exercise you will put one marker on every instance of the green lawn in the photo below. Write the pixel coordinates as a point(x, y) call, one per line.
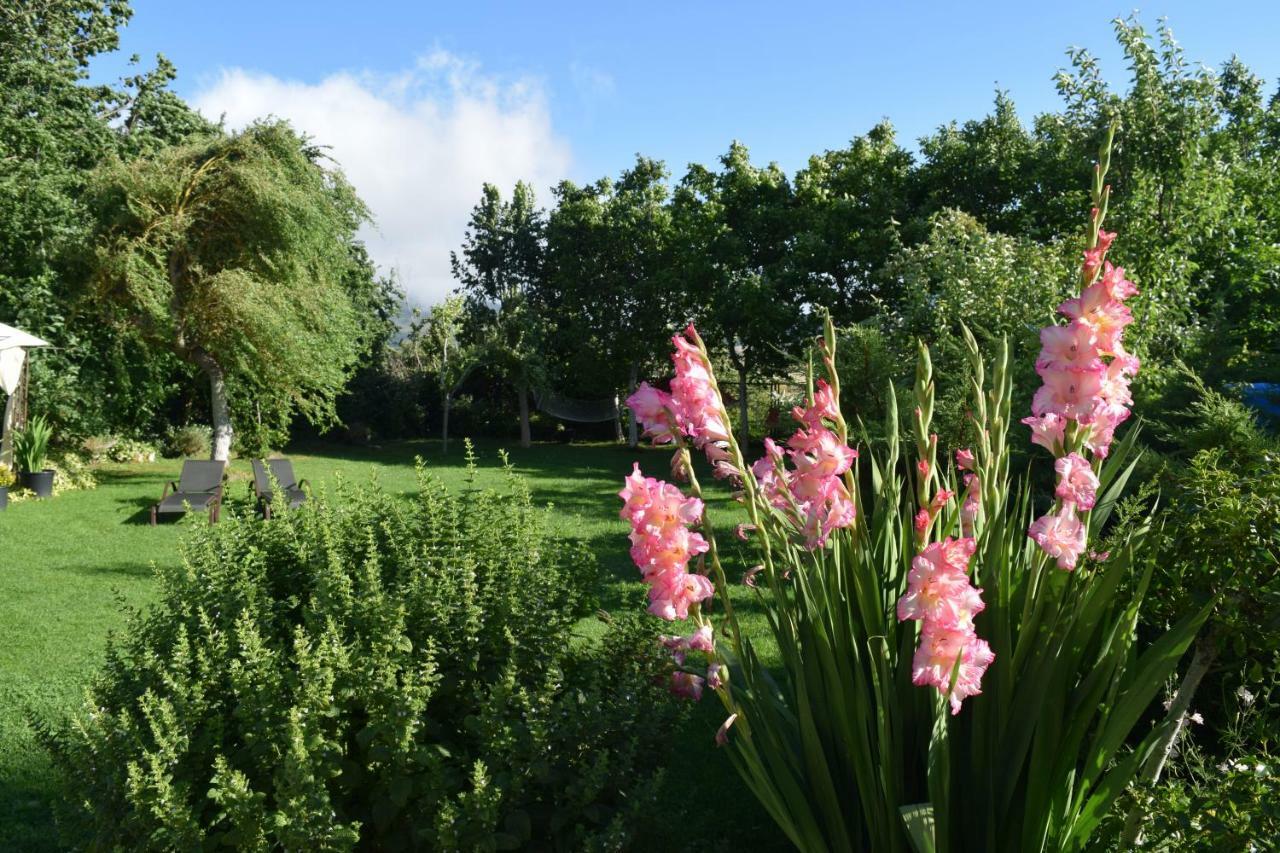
point(71, 566)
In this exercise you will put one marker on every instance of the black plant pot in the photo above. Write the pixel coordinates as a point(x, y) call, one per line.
point(40, 482)
point(4, 497)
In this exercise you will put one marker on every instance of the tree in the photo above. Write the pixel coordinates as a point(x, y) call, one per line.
point(235, 255)
point(850, 204)
point(500, 270)
point(55, 128)
point(608, 279)
point(732, 231)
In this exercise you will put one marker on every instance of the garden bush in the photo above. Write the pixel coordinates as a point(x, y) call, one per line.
point(369, 672)
point(191, 440)
point(117, 448)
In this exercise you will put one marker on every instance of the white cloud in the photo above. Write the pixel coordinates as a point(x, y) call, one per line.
point(417, 146)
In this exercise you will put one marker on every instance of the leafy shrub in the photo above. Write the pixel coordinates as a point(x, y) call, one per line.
point(1227, 803)
point(369, 672)
point(115, 448)
point(132, 450)
point(191, 440)
point(71, 473)
point(6, 477)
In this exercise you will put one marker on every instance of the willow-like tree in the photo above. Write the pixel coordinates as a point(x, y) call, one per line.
point(234, 254)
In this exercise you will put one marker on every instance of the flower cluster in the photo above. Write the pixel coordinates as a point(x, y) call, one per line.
point(812, 493)
point(693, 408)
point(1086, 373)
point(662, 543)
point(940, 596)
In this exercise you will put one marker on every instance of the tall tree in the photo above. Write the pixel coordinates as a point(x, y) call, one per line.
point(608, 278)
point(733, 229)
point(500, 269)
point(235, 255)
point(849, 205)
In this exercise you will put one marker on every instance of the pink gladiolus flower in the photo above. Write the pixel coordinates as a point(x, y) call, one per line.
point(715, 678)
point(672, 593)
point(921, 521)
point(940, 500)
point(1069, 392)
point(938, 590)
point(1106, 317)
point(1069, 346)
point(744, 531)
point(935, 660)
point(922, 468)
point(813, 495)
point(1117, 287)
point(653, 409)
point(1048, 431)
point(1061, 536)
point(676, 645)
point(1077, 484)
point(964, 459)
point(824, 407)
point(662, 543)
point(722, 734)
point(686, 685)
point(749, 578)
point(702, 640)
point(820, 452)
point(698, 408)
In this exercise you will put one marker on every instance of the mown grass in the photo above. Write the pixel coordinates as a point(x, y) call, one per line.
point(71, 567)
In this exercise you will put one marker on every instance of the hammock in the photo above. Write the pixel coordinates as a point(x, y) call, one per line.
point(580, 411)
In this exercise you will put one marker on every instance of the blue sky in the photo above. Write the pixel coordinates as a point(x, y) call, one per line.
point(454, 93)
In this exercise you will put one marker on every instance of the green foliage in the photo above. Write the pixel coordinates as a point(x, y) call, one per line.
point(965, 276)
point(368, 672)
point(55, 126)
point(234, 253)
point(1236, 809)
point(7, 477)
point(191, 440)
point(116, 448)
point(1231, 802)
point(1222, 531)
point(609, 254)
point(500, 269)
point(840, 744)
point(31, 445)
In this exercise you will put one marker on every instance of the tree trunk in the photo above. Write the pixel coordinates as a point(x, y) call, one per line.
point(1206, 652)
point(444, 421)
point(744, 434)
point(221, 410)
point(525, 438)
point(633, 435)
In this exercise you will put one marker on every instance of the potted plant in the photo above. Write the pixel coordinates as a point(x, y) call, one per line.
point(30, 448)
point(6, 480)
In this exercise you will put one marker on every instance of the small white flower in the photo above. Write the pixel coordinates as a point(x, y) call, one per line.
point(1197, 719)
point(1223, 767)
point(1245, 696)
point(1262, 769)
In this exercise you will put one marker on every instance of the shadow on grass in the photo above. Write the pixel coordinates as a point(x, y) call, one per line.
point(26, 812)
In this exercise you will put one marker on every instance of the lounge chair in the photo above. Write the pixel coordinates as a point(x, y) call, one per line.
point(290, 485)
point(198, 488)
